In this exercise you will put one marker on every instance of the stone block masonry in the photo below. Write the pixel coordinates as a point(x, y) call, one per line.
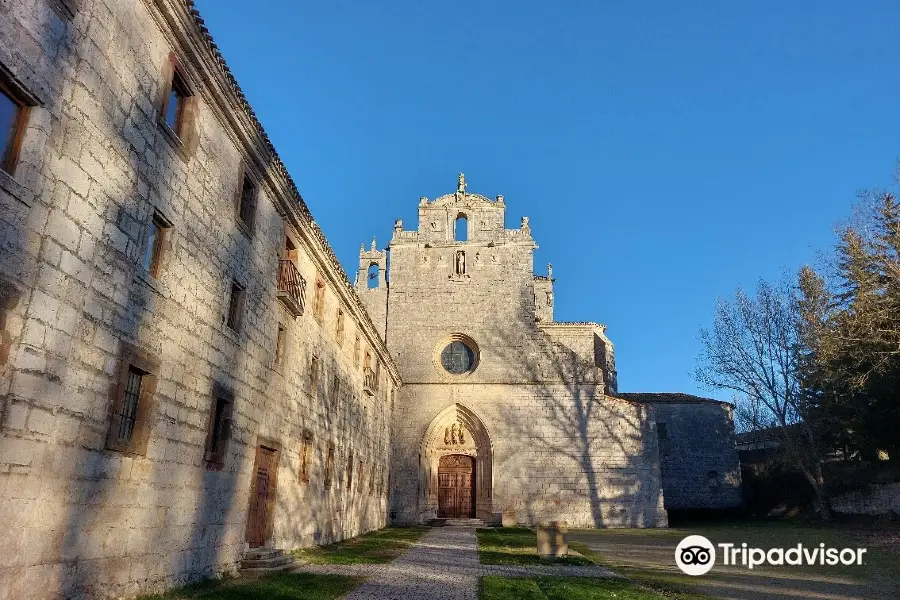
point(90, 513)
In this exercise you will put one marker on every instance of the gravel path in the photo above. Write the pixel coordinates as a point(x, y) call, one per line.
point(443, 565)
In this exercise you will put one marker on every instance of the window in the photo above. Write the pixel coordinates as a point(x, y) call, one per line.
point(339, 333)
point(350, 471)
point(457, 358)
point(131, 409)
point(361, 479)
point(156, 240)
point(372, 277)
point(367, 362)
point(247, 202)
point(305, 449)
point(175, 102)
point(319, 306)
point(314, 373)
point(279, 346)
point(218, 431)
point(329, 466)
point(13, 116)
point(335, 389)
point(377, 373)
point(662, 436)
point(235, 306)
point(356, 351)
point(461, 228)
point(372, 481)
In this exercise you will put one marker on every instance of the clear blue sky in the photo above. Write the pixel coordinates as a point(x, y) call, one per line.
point(666, 152)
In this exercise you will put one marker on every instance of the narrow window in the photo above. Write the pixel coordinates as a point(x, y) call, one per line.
point(361, 480)
point(377, 373)
point(372, 481)
point(367, 362)
point(350, 472)
point(356, 351)
point(372, 279)
point(329, 466)
point(662, 431)
point(132, 396)
point(314, 373)
point(279, 346)
point(131, 410)
point(305, 449)
point(461, 228)
point(335, 389)
point(235, 306)
point(156, 238)
point(219, 431)
point(176, 102)
point(247, 202)
point(319, 307)
point(13, 116)
point(339, 333)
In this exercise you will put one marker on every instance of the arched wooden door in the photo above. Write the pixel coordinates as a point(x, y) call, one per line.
point(456, 486)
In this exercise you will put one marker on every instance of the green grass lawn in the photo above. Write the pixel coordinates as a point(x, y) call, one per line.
point(560, 588)
point(647, 557)
point(516, 546)
point(281, 586)
point(380, 546)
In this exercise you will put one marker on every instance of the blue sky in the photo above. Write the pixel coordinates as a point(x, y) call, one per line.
point(665, 152)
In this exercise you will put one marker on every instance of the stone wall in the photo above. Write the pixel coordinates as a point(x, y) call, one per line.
point(698, 456)
point(548, 443)
point(95, 168)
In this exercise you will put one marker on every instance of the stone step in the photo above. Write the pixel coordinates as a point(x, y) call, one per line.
point(262, 553)
point(266, 563)
point(463, 523)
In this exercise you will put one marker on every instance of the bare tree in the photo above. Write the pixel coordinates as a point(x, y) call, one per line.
point(752, 351)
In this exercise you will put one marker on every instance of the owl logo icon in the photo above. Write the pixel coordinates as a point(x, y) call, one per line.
point(695, 555)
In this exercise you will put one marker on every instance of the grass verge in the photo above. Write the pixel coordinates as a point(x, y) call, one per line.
point(560, 588)
point(280, 586)
point(380, 546)
point(516, 546)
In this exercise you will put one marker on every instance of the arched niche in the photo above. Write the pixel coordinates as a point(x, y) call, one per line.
point(442, 439)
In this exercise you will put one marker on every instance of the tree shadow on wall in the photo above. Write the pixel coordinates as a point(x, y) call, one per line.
point(583, 445)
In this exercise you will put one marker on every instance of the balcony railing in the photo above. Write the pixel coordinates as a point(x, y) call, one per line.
point(369, 385)
point(291, 287)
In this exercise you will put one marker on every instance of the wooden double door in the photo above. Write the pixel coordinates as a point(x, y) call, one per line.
point(456, 486)
point(262, 496)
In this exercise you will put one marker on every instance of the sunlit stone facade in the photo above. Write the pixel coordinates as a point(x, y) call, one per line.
point(187, 373)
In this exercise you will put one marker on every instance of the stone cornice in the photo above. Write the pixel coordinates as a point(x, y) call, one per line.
point(205, 64)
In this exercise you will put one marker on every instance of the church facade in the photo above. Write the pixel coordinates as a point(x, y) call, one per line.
point(187, 373)
point(505, 411)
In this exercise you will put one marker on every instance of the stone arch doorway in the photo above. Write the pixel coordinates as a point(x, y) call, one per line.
point(456, 466)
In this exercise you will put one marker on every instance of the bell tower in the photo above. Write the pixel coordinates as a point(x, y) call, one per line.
point(372, 285)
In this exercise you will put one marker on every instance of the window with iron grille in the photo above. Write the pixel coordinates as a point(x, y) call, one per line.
point(219, 432)
point(247, 201)
point(235, 306)
point(130, 411)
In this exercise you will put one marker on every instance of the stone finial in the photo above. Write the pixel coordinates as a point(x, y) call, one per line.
point(461, 183)
point(423, 200)
point(374, 246)
point(398, 225)
point(549, 271)
point(499, 198)
point(362, 248)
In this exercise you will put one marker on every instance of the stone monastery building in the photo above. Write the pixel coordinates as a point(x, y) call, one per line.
point(186, 371)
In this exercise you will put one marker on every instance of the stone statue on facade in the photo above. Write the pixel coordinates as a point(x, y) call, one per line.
point(460, 263)
point(461, 183)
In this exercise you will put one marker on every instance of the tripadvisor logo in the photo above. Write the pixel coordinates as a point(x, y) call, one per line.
point(696, 555)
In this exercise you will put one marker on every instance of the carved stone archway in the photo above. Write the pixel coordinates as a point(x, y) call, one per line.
point(456, 430)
